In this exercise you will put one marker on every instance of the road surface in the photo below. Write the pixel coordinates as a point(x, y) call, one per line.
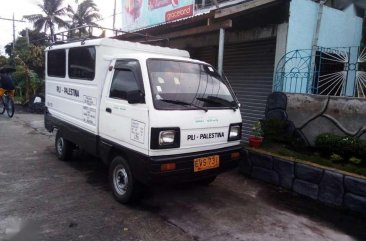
point(42, 198)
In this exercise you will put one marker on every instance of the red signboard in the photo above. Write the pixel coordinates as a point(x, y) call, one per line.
point(178, 13)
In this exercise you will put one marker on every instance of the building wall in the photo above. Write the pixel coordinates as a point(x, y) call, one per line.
point(302, 23)
point(315, 114)
point(337, 28)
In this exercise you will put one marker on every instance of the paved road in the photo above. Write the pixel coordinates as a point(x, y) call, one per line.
point(42, 198)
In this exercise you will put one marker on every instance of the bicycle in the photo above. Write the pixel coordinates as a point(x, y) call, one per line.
point(7, 103)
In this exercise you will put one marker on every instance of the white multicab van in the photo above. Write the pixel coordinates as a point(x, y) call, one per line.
point(150, 113)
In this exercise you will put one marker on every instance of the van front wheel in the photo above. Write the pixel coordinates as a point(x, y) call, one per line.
point(121, 180)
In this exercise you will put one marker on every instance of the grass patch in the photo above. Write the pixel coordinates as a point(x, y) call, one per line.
point(314, 157)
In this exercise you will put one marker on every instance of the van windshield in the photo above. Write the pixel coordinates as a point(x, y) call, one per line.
point(186, 85)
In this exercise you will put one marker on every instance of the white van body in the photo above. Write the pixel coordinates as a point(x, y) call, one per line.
point(82, 105)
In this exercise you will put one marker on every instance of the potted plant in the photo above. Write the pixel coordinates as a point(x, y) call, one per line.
point(257, 138)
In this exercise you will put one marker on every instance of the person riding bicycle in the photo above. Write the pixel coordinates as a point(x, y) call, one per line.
point(6, 84)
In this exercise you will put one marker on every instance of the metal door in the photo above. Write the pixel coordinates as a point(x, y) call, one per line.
point(249, 68)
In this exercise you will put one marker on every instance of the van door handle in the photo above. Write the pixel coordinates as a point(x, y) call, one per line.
point(109, 110)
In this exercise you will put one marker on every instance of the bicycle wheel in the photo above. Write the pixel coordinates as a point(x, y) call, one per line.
point(2, 106)
point(10, 107)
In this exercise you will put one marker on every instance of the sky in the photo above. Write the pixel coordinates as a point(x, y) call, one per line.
point(27, 7)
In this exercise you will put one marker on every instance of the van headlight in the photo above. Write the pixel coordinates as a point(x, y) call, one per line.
point(235, 132)
point(164, 138)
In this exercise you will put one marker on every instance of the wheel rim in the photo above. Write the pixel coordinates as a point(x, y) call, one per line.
point(2, 106)
point(10, 108)
point(60, 145)
point(120, 180)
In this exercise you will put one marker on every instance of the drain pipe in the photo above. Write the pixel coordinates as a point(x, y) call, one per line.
point(221, 51)
point(318, 23)
point(315, 40)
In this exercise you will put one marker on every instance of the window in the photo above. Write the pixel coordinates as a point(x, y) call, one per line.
point(56, 63)
point(182, 85)
point(82, 63)
point(329, 73)
point(123, 81)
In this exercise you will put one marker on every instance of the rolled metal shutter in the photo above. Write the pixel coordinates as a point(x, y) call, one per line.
point(207, 54)
point(249, 68)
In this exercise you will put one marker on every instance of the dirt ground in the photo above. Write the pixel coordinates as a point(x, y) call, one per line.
point(42, 198)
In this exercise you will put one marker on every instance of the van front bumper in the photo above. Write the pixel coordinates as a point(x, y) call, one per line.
point(184, 171)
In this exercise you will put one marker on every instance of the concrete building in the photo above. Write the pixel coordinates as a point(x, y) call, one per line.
point(248, 39)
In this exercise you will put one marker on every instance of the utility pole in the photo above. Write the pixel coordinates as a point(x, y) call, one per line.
point(27, 35)
point(13, 33)
point(114, 14)
point(14, 20)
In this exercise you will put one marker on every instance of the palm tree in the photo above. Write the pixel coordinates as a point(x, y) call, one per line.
point(85, 14)
point(51, 16)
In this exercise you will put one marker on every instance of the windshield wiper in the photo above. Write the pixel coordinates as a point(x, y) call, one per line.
point(178, 102)
point(218, 100)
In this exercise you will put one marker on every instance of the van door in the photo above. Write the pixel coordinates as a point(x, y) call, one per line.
point(121, 122)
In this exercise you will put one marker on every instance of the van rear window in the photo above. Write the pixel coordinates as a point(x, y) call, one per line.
point(82, 63)
point(56, 63)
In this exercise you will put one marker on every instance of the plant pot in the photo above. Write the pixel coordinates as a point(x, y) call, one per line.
point(255, 141)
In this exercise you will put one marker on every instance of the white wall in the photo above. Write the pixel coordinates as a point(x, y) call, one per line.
point(337, 29)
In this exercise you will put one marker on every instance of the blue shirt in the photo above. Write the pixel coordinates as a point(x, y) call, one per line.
point(6, 82)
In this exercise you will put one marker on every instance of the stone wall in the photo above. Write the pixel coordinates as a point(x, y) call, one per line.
point(328, 186)
point(316, 114)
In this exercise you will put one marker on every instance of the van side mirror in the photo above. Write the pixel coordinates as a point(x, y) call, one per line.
point(135, 97)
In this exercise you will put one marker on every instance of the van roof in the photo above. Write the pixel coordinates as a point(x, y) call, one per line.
point(144, 56)
point(124, 45)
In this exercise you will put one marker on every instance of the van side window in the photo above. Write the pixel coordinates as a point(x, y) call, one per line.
point(56, 63)
point(123, 81)
point(82, 63)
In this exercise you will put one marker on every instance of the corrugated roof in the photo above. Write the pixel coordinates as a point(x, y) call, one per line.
point(183, 20)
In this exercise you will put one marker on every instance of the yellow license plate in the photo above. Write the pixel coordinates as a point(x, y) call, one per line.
point(205, 163)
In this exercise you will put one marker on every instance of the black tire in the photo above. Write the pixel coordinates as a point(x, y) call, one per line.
point(206, 181)
point(2, 105)
point(10, 108)
point(64, 148)
point(124, 186)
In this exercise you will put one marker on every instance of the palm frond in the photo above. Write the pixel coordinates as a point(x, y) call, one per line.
point(52, 11)
point(33, 17)
point(39, 24)
point(60, 22)
point(85, 13)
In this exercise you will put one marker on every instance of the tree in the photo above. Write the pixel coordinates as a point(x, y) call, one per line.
point(52, 13)
point(85, 14)
point(35, 37)
point(9, 49)
point(29, 61)
point(3, 60)
point(26, 81)
point(31, 54)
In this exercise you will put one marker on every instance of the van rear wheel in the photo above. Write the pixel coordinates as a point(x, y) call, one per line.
point(123, 184)
point(64, 148)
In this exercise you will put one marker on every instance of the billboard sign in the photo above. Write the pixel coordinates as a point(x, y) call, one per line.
point(137, 14)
